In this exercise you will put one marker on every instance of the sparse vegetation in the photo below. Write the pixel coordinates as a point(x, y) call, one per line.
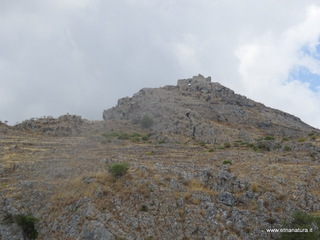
point(287, 148)
point(263, 146)
point(146, 121)
point(27, 224)
point(119, 169)
point(302, 221)
point(25, 221)
point(149, 153)
point(134, 137)
point(227, 145)
point(227, 162)
point(180, 181)
point(302, 139)
point(162, 141)
point(144, 208)
point(269, 138)
point(312, 134)
point(254, 187)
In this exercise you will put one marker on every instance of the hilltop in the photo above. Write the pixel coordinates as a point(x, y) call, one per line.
point(206, 111)
point(203, 163)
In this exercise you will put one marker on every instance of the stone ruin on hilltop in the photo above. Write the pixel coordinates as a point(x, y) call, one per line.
point(194, 83)
point(200, 83)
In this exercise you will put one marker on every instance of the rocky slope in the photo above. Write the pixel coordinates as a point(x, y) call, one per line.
point(206, 111)
point(232, 177)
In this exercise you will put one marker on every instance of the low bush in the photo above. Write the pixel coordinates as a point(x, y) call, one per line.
point(144, 208)
point(227, 162)
point(134, 137)
point(146, 121)
point(124, 136)
point(304, 222)
point(269, 138)
point(119, 169)
point(302, 139)
point(27, 222)
point(145, 137)
point(287, 148)
point(227, 145)
point(149, 153)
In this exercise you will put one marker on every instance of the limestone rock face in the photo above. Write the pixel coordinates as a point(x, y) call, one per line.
point(206, 111)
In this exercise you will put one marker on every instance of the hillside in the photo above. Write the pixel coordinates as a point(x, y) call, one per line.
point(206, 111)
point(208, 164)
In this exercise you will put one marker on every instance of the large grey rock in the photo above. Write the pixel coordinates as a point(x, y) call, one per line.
point(227, 198)
point(95, 230)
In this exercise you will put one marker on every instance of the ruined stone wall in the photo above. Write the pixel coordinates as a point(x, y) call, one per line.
point(194, 83)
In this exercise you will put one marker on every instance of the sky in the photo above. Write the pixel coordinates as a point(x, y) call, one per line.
point(81, 56)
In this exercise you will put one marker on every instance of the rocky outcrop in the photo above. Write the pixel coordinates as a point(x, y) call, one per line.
point(206, 111)
point(65, 125)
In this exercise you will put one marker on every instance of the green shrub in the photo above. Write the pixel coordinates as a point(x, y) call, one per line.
point(311, 134)
point(135, 139)
point(263, 146)
point(250, 145)
point(110, 134)
point(8, 218)
point(133, 135)
point(26, 222)
point(277, 146)
point(227, 162)
point(227, 145)
point(302, 139)
point(144, 208)
point(145, 137)
point(146, 121)
point(287, 148)
point(124, 136)
point(269, 138)
point(119, 169)
point(302, 220)
point(105, 141)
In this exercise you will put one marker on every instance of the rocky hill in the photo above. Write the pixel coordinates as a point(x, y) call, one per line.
point(206, 111)
point(198, 162)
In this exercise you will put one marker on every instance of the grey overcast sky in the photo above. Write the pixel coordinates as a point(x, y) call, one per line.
point(81, 56)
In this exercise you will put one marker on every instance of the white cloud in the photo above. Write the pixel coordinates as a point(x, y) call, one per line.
point(187, 51)
point(266, 62)
point(80, 56)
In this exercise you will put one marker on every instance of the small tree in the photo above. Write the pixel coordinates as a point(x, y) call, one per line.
point(27, 222)
point(119, 169)
point(146, 121)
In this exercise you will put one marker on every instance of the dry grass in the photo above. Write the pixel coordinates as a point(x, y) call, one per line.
point(68, 169)
point(195, 184)
point(254, 187)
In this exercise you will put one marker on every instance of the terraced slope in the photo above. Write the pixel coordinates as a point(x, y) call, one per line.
point(185, 189)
